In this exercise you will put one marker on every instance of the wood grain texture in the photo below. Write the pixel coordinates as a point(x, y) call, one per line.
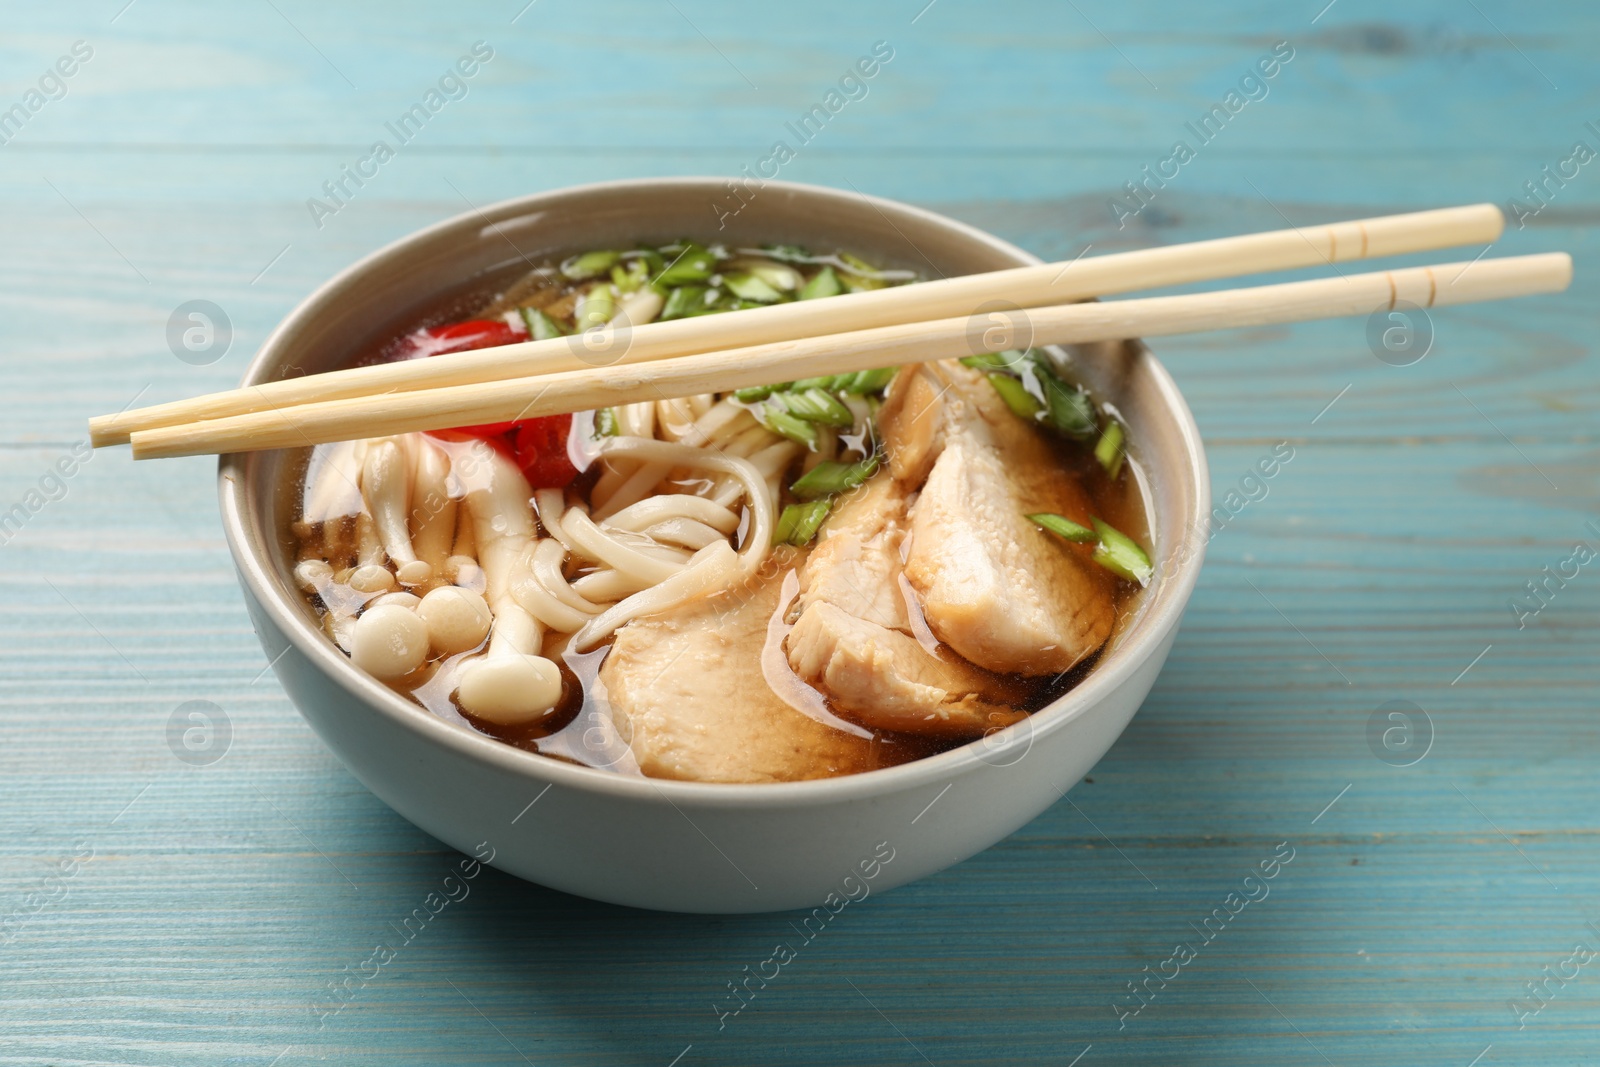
point(220, 900)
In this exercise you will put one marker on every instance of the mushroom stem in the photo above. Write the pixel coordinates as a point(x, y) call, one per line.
point(369, 575)
point(386, 487)
point(511, 682)
point(433, 509)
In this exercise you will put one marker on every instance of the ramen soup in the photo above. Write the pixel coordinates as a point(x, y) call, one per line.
point(810, 579)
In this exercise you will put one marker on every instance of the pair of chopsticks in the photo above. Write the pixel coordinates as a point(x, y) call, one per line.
point(859, 331)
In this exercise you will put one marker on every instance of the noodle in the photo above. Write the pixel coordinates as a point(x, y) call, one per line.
point(537, 600)
point(596, 544)
point(686, 532)
point(656, 509)
point(762, 506)
point(544, 563)
point(608, 585)
point(639, 485)
point(713, 567)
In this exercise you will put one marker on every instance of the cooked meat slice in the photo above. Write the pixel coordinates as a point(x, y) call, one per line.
point(889, 682)
point(856, 563)
point(686, 692)
point(912, 422)
point(994, 587)
point(853, 639)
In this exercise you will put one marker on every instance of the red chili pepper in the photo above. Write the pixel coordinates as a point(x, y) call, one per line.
point(464, 337)
point(540, 449)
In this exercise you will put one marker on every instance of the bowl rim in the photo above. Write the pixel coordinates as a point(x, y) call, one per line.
point(1140, 642)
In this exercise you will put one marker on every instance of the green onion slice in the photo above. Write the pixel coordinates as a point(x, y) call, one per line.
point(785, 424)
point(815, 405)
point(823, 283)
point(596, 306)
point(1121, 554)
point(867, 381)
point(1064, 527)
point(692, 264)
point(541, 327)
point(683, 301)
point(859, 274)
point(829, 477)
point(1012, 360)
point(1070, 409)
point(1109, 450)
point(590, 265)
point(799, 523)
point(749, 286)
point(1023, 404)
point(778, 275)
point(755, 393)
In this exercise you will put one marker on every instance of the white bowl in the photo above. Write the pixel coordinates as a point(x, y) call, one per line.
point(686, 846)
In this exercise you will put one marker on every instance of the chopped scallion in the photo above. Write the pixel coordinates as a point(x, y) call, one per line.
point(692, 264)
point(1109, 450)
point(778, 275)
point(630, 278)
point(859, 274)
point(1121, 555)
point(1064, 527)
point(823, 283)
point(756, 393)
point(829, 477)
point(596, 306)
point(815, 405)
point(1011, 359)
point(782, 423)
point(799, 523)
point(866, 381)
point(541, 327)
point(683, 301)
point(589, 265)
point(749, 286)
point(605, 422)
point(1023, 404)
point(1070, 410)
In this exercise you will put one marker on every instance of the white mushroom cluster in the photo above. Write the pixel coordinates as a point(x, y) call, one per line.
point(433, 566)
point(412, 591)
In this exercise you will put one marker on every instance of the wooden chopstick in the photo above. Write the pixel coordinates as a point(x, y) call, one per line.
point(884, 346)
point(1050, 283)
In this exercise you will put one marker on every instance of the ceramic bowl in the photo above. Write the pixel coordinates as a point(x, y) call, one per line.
point(686, 846)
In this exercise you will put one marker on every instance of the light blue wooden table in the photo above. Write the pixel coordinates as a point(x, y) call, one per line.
point(153, 911)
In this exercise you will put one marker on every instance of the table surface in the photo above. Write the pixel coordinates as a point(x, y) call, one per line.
point(157, 912)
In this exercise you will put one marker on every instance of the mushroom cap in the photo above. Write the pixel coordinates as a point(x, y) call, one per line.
point(417, 572)
point(510, 688)
point(389, 641)
point(371, 578)
point(310, 574)
point(457, 619)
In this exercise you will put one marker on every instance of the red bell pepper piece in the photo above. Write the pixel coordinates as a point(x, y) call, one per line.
point(464, 337)
point(540, 449)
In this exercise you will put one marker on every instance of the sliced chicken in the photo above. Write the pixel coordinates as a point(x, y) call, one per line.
point(994, 587)
point(856, 563)
point(687, 693)
point(889, 681)
point(853, 639)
